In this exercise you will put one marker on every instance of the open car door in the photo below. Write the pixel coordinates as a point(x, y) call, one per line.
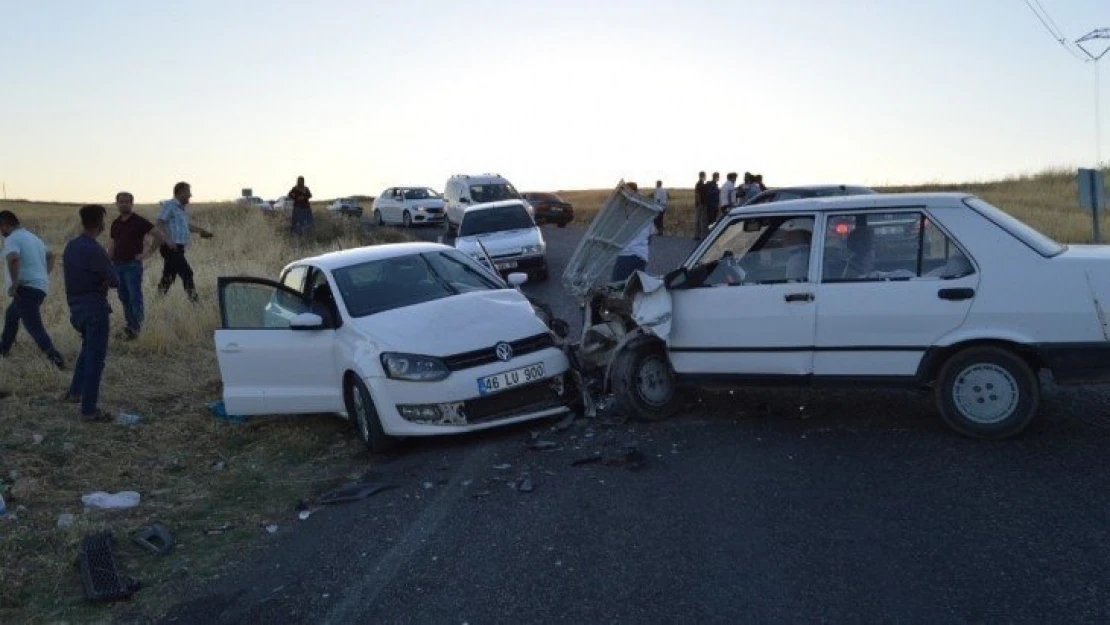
point(275, 355)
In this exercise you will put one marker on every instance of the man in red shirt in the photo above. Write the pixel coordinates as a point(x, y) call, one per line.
point(133, 240)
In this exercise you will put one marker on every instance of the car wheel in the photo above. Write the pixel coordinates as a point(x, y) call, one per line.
point(365, 417)
point(378, 218)
point(406, 219)
point(643, 381)
point(987, 392)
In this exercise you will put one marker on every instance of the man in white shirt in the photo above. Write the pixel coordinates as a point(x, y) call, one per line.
point(662, 198)
point(634, 256)
point(728, 193)
point(28, 263)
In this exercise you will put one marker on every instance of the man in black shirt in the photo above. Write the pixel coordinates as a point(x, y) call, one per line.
point(128, 249)
point(302, 210)
point(711, 199)
point(700, 223)
point(89, 275)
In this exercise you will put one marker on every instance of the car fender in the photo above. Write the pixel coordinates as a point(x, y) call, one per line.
point(634, 335)
point(973, 334)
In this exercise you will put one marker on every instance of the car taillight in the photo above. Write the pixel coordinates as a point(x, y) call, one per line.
point(842, 229)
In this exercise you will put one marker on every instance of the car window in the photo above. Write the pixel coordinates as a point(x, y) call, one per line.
point(420, 194)
point(501, 218)
point(874, 246)
point(543, 197)
point(1041, 243)
point(493, 192)
point(756, 250)
point(294, 278)
point(259, 305)
point(388, 284)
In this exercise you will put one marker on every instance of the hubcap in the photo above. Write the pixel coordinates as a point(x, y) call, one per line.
point(986, 393)
point(360, 414)
point(654, 383)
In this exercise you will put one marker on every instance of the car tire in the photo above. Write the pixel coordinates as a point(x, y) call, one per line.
point(643, 381)
point(406, 219)
point(987, 392)
point(364, 415)
point(378, 221)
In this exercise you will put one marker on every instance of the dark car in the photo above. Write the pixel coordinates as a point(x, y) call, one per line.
point(796, 193)
point(549, 208)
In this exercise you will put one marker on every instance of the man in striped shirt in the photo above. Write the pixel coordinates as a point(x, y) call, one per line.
point(174, 230)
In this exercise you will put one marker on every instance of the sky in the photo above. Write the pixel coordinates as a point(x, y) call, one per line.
point(358, 95)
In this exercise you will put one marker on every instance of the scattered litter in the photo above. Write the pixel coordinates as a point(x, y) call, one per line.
point(565, 424)
point(220, 412)
point(525, 485)
point(128, 418)
point(155, 538)
point(37, 439)
point(304, 514)
point(590, 459)
point(428, 486)
point(99, 574)
point(219, 466)
point(272, 528)
point(503, 467)
point(466, 483)
point(226, 527)
point(352, 492)
point(65, 521)
point(542, 445)
point(111, 501)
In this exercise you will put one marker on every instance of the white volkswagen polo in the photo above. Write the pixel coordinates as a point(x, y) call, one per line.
point(408, 339)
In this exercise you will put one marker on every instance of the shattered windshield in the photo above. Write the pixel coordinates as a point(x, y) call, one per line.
point(497, 219)
point(391, 283)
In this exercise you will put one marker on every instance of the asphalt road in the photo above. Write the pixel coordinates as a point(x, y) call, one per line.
point(758, 506)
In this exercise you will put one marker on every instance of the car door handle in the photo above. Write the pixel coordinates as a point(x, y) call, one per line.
point(799, 297)
point(231, 348)
point(956, 294)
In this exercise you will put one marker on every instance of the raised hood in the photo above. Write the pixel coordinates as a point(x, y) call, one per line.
point(457, 324)
point(621, 218)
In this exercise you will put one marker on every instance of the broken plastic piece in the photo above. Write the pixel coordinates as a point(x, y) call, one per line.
point(155, 538)
point(99, 573)
point(219, 411)
point(352, 492)
point(111, 501)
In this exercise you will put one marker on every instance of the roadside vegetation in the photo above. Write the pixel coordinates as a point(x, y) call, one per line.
point(213, 483)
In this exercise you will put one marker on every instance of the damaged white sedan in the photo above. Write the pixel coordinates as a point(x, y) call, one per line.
point(937, 292)
point(409, 339)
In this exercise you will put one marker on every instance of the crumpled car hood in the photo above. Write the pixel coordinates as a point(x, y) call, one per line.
point(455, 324)
point(621, 218)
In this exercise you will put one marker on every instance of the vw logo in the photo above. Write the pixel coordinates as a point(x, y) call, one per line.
point(504, 351)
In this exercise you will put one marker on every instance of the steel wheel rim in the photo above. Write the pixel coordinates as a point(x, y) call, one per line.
point(653, 381)
point(986, 393)
point(361, 418)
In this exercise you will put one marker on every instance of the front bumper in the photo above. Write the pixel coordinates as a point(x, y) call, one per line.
point(458, 406)
point(526, 264)
point(427, 217)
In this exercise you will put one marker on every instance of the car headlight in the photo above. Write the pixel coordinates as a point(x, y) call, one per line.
point(533, 249)
point(414, 367)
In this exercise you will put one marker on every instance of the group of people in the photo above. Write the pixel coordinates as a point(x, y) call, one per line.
point(712, 199)
point(90, 272)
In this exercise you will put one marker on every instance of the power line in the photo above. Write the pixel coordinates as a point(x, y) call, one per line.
point(1053, 30)
point(1056, 29)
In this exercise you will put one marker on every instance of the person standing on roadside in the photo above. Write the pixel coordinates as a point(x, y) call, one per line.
point(302, 210)
point(133, 240)
point(634, 256)
point(89, 274)
point(712, 200)
point(173, 230)
point(728, 193)
point(701, 224)
point(662, 198)
point(29, 264)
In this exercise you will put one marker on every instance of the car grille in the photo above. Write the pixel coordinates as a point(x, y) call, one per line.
point(485, 356)
point(433, 211)
point(532, 398)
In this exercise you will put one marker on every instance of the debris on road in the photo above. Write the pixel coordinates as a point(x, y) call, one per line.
point(590, 459)
point(65, 521)
point(111, 501)
point(155, 538)
point(352, 492)
point(99, 573)
point(525, 485)
point(128, 418)
point(215, 531)
point(502, 467)
point(543, 445)
point(36, 439)
point(272, 528)
point(304, 514)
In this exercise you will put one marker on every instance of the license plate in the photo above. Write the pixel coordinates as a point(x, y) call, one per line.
point(509, 379)
point(511, 264)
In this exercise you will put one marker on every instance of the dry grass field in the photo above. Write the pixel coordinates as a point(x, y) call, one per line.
point(209, 481)
point(1047, 201)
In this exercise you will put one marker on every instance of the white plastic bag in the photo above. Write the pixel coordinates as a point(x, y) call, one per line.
point(111, 501)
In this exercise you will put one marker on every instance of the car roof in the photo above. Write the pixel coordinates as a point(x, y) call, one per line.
point(876, 202)
point(488, 205)
point(480, 178)
point(344, 258)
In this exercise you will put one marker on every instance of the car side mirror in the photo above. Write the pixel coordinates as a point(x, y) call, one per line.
point(517, 278)
point(306, 321)
point(675, 277)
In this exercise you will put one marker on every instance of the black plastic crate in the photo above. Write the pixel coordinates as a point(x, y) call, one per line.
point(99, 572)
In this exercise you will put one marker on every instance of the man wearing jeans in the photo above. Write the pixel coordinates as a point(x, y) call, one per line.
point(28, 264)
point(128, 249)
point(174, 229)
point(89, 275)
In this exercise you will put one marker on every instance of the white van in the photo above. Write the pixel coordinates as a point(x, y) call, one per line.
point(462, 191)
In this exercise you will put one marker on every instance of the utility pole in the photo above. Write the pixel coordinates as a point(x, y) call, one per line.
point(1088, 39)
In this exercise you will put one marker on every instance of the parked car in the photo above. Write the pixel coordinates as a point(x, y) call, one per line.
point(462, 191)
point(283, 203)
point(982, 305)
point(347, 332)
point(783, 194)
point(549, 208)
point(408, 206)
point(508, 234)
point(346, 206)
point(253, 201)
